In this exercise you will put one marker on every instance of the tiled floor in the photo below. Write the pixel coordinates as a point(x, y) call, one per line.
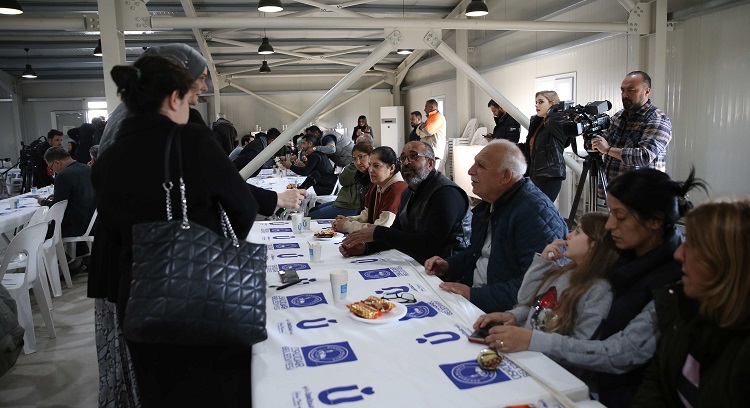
point(63, 372)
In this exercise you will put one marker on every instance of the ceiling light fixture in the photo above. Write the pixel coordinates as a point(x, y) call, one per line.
point(264, 69)
point(476, 8)
point(98, 49)
point(265, 47)
point(28, 72)
point(10, 7)
point(270, 6)
point(404, 51)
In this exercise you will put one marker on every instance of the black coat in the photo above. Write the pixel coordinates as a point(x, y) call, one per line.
point(128, 181)
point(506, 128)
point(73, 183)
point(84, 136)
point(547, 159)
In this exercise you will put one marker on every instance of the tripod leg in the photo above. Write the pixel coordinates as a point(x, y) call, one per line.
point(579, 191)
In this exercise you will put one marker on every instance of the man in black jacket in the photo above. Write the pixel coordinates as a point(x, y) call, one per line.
point(41, 177)
point(505, 126)
point(253, 149)
point(433, 215)
point(315, 161)
point(226, 134)
point(73, 183)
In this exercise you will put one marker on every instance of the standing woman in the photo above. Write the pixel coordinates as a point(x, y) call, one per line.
point(704, 355)
point(644, 206)
point(362, 128)
point(156, 92)
point(544, 147)
point(384, 196)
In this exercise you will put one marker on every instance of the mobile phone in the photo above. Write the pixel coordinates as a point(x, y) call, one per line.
point(479, 335)
point(288, 276)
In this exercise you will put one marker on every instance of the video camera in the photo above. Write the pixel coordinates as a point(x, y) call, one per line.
point(587, 121)
point(29, 151)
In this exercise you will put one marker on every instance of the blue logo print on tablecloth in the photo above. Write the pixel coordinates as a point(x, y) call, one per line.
point(439, 337)
point(468, 374)
point(327, 396)
point(419, 310)
point(289, 255)
point(283, 236)
point(306, 300)
point(315, 323)
point(280, 230)
point(297, 266)
point(377, 274)
point(369, 260)
point(286, 246)
point(325, 354)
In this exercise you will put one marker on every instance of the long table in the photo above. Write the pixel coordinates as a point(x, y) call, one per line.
point(12, 218)
point(316, 354)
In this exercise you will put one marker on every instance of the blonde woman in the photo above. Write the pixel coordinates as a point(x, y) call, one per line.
point(704, 356)
point(544, 147)
point(384, 196)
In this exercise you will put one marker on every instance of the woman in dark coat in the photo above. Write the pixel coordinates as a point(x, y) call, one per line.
point(128, 181)
point(544, 147)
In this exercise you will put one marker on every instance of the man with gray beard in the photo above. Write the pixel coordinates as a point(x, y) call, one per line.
point(433, 219)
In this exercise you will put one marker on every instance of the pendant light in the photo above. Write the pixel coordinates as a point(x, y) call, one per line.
point(476, 8)
point(264, 69)
point(10, 7)
point(270, 6)
point(265, 47)
point(98, 49)
point(28, 72)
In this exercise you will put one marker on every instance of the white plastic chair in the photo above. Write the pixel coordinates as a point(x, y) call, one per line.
point(86, 237)
point(53, 251)
point(478, 138)
point(27, 242)
point(470, 128)
point(39, 215)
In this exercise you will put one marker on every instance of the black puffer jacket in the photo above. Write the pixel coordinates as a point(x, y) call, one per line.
point(547, 158)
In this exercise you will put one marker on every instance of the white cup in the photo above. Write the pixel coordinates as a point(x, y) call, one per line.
point(297, 223)
point(315, 251)
point(13, 203)
point(339, 285)
point(306, 223)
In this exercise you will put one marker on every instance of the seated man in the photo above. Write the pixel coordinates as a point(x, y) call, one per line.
point(72, 183)
point(243, 142)
point(433, 215)
point(513, 221)
point(314, 161)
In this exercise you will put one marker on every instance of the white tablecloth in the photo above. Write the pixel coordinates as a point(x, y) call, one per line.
point(317, 355)
point(11, 218)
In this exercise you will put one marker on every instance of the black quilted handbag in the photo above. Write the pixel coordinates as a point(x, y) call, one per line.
point(192, 286)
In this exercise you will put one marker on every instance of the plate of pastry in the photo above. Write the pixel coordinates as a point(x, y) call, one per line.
point(375, 310)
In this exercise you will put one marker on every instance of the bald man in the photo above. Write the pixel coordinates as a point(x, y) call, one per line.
point(514, 220)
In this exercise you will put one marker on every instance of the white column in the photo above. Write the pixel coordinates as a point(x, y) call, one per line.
point(113, 48)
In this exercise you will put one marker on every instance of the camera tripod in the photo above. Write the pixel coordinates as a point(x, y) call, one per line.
point(593, 166)
point(27, 175)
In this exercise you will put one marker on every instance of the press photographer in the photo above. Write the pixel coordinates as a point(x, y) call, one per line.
point(639, 134)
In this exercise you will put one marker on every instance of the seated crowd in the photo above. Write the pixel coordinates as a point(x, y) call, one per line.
point(645, 316)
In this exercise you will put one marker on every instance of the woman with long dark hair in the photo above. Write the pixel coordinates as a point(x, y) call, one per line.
point(128, 182)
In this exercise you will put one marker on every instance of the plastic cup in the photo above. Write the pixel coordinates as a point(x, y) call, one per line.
point(339, 283)
point(297, 223)
point(13, 203)
point(306, 223)
point(315, 252)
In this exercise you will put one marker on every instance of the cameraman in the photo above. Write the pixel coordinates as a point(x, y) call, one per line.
point(42, 174)
point(639, 133)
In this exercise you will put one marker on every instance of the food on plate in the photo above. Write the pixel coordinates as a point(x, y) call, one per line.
point(489, 359)
point(326, 233)
point(371, 308)
point(291, 186)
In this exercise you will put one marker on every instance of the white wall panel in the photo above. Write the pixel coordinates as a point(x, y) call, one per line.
point(8, 146)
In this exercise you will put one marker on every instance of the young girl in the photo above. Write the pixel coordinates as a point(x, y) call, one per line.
point(570, 300)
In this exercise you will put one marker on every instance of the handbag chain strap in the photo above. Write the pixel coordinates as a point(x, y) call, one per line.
point(226, 225)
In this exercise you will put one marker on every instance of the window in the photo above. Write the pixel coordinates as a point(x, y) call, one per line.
point(563, 84)
point(96, 109)
point(441, 103)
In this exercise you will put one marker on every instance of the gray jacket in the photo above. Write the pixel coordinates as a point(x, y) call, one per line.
point(592, 307)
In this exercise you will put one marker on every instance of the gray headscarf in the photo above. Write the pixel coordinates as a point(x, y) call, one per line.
point(194, 63)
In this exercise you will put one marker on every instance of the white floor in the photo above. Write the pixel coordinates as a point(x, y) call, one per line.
point(63, 372)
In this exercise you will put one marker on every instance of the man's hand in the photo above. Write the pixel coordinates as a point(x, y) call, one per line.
point(457, 288)
point(353, 250)
point(509, 339)
point(286, 164)
point(290, 199)
point(436, 266)
point(359, 237)
point(600, 144)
